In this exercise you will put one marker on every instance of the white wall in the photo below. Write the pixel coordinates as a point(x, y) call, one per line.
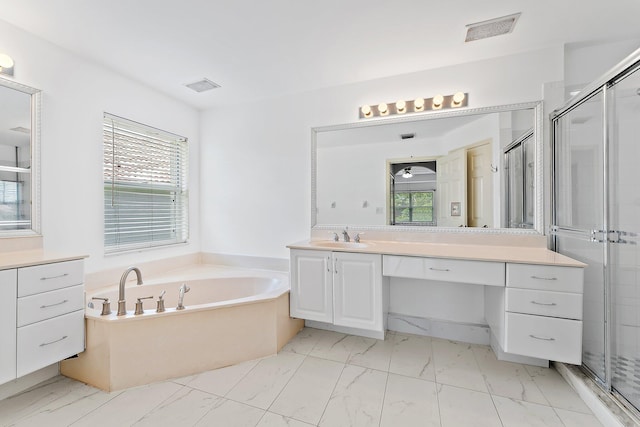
point(267, 205)
point(75, 95)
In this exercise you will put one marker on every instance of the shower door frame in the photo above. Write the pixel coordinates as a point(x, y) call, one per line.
point(629, 65)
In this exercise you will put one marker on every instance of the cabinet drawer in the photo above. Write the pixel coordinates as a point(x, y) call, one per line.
point(545, 277)
point(44, 343)
point(544, 303)
point(448, 270)
point(544, 337)
point(47, 277)
point(45, 305)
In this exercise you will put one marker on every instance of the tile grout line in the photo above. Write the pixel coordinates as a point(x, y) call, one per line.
point(344, 365)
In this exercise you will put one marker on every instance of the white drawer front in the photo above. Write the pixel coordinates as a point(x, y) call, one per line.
point(47, 277)
point(544, 303)
point(544, 337)
point(448, 270)
point(34, 308)
point(44, 343)
point(545, 277)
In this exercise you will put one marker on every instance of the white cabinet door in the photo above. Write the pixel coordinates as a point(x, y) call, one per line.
point(357, 287)
point(8, 295)
point(311, 285)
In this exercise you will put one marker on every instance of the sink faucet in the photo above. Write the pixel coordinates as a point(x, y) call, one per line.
point(346, 235)
point(122, 305)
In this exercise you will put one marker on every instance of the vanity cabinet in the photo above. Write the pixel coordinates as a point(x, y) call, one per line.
point(542, 308)
point(339, 288)
point(42, 316)
point(8, 295)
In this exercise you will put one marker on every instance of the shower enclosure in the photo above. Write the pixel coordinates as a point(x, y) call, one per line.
point(596, 219)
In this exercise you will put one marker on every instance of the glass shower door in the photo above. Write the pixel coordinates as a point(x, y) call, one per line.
point(579, 216)
point(624, 218)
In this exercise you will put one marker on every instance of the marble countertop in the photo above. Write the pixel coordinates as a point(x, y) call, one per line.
point(35, 257)
point(513, 254)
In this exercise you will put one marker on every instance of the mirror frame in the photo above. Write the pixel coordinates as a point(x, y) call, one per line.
point(538, 228)
point(36, 100)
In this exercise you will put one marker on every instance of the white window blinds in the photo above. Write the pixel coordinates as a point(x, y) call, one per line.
point(145, 186)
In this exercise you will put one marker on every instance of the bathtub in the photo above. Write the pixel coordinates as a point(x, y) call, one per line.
point(231, 315)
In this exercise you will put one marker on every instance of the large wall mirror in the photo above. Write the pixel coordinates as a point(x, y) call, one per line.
point(19, 159)
point(471, 170)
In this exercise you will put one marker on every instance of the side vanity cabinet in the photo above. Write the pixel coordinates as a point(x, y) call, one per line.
point(42, 316)
point(339, 288)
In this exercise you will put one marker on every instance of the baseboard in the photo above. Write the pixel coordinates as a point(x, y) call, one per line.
point(344, 329)
point(438, 328)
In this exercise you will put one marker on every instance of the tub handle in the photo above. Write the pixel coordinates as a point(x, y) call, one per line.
point(139, 308)
point(106, 305)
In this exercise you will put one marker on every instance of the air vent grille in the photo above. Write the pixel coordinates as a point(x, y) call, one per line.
point(491, 28)
point(203, 85)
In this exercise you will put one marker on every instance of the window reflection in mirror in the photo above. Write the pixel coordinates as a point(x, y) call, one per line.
point(359, 168)
point(17, 176)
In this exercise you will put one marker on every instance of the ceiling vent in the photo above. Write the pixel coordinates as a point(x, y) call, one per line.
point(491, 28)
point(407, 135)
point(203, 85)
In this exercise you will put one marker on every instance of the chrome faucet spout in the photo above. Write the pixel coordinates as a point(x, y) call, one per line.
point(345, 234)
point(122, 305)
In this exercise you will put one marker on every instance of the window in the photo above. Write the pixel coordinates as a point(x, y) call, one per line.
point(145, 186)
point(414, 207)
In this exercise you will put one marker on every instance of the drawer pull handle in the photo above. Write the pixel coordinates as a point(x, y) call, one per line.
point(438, 269)
point(544, 278)
point(53, 305)
point(54, 277)
point(542, 338)
point(544, 303)
point(53, 342)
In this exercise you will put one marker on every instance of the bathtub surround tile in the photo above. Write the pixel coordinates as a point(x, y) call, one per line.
point(219, 381)
point(556, 390)
point(456, 365)
point(410, 402)
point(463, 407)
point(228, 413)
point(307, 393)
point(357, 399)
point(265, 381)
point(184, 408)
point(129, 406)
point(275, 420)
point(507, 379)
point(515, 413)
point(412, 356)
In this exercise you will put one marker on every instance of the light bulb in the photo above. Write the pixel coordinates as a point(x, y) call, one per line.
point(5, 61)
point(401, 106)
point(418, 104)
point(366, 110)
point(382, 108)
point(457, 99)
point(437, 101)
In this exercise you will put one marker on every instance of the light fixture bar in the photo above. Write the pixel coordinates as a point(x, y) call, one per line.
point(418, 105)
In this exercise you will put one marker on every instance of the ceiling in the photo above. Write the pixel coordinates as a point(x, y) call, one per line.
point(261, 49)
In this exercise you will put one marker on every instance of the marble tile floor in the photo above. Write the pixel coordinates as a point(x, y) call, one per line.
point(324, 378)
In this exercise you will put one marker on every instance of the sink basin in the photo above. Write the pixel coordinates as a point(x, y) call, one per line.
point(339, 245)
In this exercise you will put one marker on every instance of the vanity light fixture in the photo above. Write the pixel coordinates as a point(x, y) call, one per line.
point(417, 105)
point(437, 102)
point(407, 173)
point(6, 64)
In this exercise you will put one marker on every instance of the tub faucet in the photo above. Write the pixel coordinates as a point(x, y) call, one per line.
point(183, 290)
point(122, 304)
